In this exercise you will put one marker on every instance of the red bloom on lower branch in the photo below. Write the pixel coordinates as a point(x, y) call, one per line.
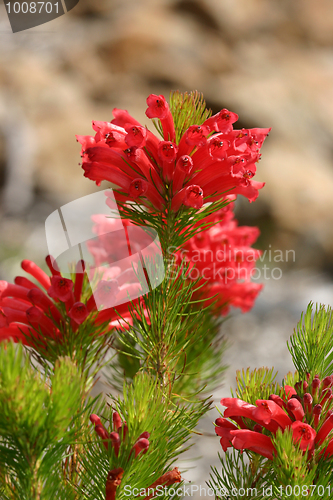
point(309, 415)
point(33, 316)
point(113, 440)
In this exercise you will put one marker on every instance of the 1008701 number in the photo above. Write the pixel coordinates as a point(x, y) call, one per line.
point(32, 7)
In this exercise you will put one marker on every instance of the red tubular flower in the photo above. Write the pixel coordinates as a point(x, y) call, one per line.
point(117, 423)
point(303, 434)
point(324, 430)
point(99, 172)
point(326, 395)
point(35, 271)
point(15, 291)
point(222, 121)
point(296, 408)
point(223, 428)
point(102, 433)
point(122, 118)
point(190, 196)
point(145, 167)
point(289, 391)
point(18, 305)
point(167, 152)
point(115, 440)
point(95, 419)
point(136, 136)
point(253, 441)
point(37, 319)
point(183, 168)
point(113, 481)
point(159, 108)
point(79, 277)
point(195, 136)
point(78, 312)
point(109, 132)
point(307, 399)
point(52, 265)
point(267, 411)
point(279, 401)
point(167, 479)
point(8, 316)
point(141, 445)
point(140, 187)
point(21, 281)
point(61, 288)
point(40, 299)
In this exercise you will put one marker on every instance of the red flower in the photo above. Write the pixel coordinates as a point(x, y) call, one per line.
point(311, 426)
point(223, 259)
point(154, 172)
point(253, 441)
point(113, 481)
point(304, 434)
point(61, 288)
point(114, 438)
point(171, 477)
point(27, 313)
point(78, 312)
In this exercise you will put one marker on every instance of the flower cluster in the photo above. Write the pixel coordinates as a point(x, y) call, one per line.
point(209, 159)
point(29, 312)
point(306, 409)
point(223, 259)
point(113, 439)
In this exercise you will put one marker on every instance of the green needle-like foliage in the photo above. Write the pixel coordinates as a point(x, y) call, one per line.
point(188, 109)
point(173, 338)
point(146, 408)
point(289, 464)
point(36, 416)
point(239, 478)
point(311, 346)
point(256, 384)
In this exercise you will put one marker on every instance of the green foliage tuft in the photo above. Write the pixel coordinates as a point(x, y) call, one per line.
point(256, 384)
point(238, 478)
point(311, 345)
point(289, 462)
point(187, 109)
point(36, 413)
point(146, 408)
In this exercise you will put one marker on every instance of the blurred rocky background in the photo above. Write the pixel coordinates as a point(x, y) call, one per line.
point(271, 62)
